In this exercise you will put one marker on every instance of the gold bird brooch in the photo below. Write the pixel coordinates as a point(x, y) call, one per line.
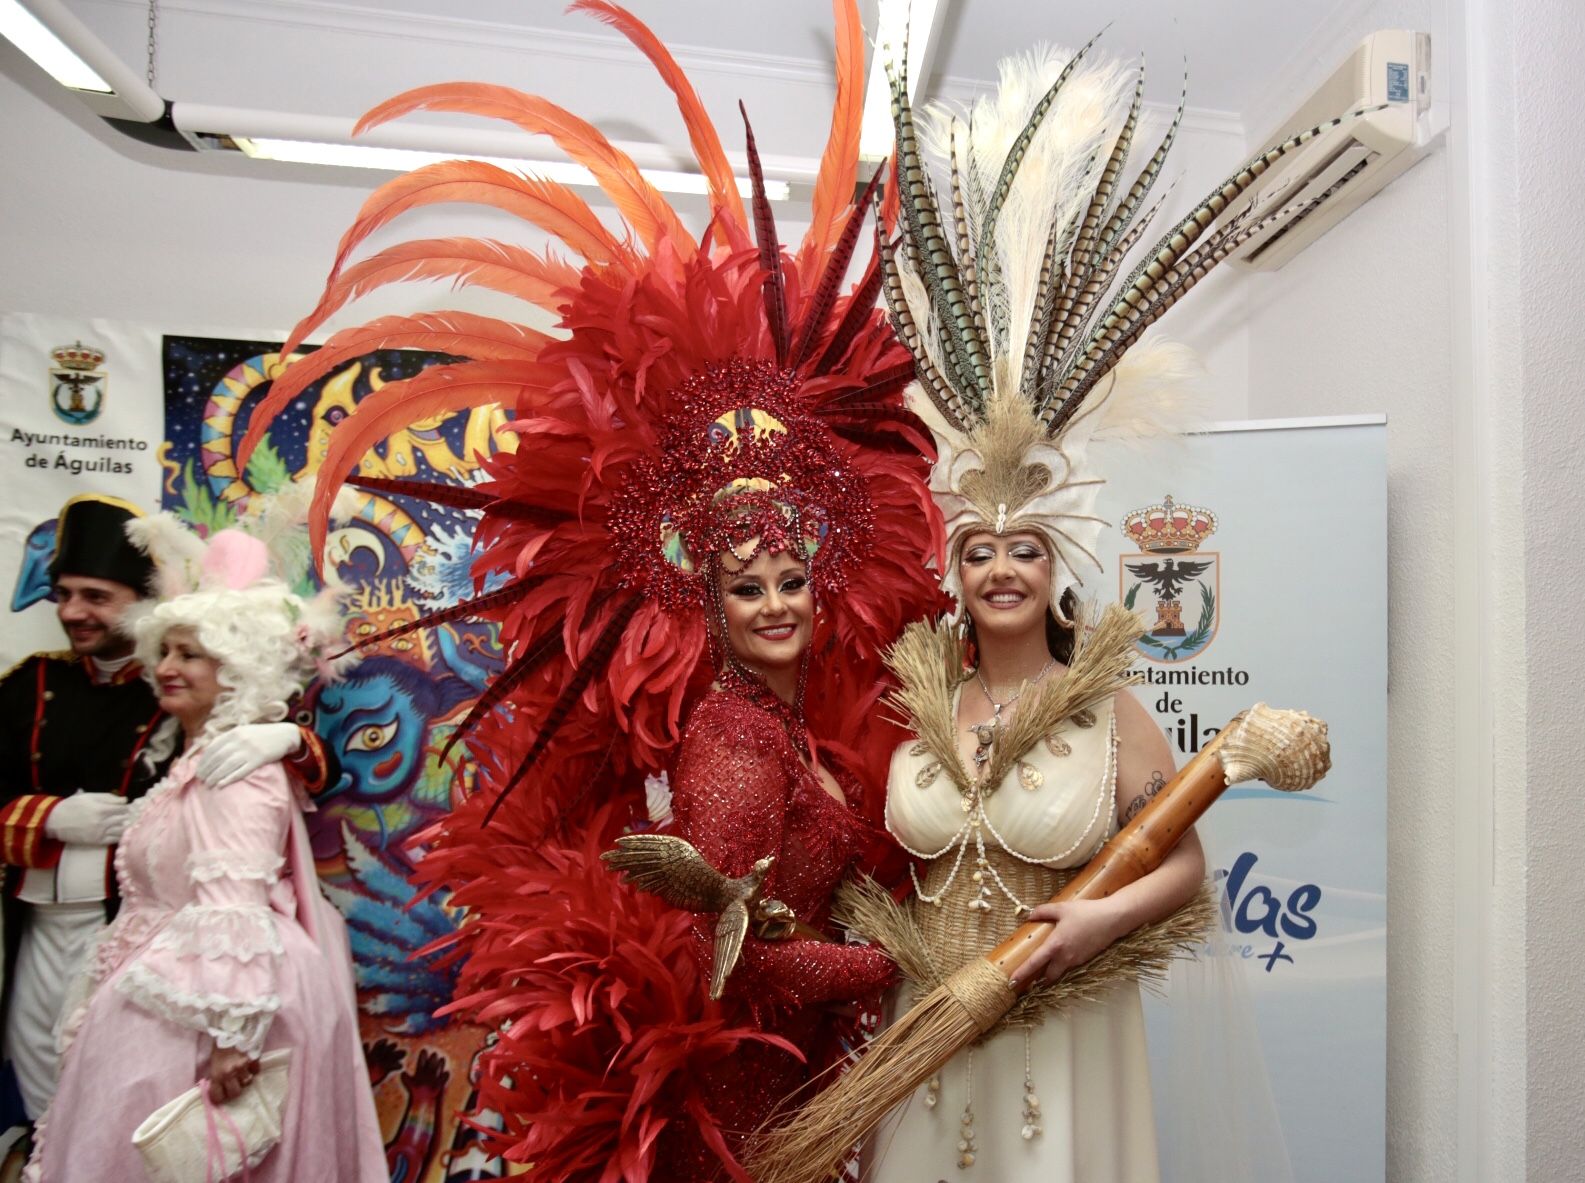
point(675, 871)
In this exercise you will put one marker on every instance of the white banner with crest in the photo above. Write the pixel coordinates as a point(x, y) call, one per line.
point(82, 409)
point(1257, 556)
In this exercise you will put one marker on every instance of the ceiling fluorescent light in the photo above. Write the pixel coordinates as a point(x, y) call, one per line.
point(401, 160)
point(326, 140)
point(70, 53)
point(915, 22)
point(49, 52)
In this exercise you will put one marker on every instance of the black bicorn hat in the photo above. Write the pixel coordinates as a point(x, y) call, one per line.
point(91, 540)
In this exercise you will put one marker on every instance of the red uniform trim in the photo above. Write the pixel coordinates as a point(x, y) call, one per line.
point(38, 725)
point(23, 842)
point(308, 763)
point(137, 750)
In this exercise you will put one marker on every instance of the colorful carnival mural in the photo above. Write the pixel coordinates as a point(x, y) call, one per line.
point(387, 722)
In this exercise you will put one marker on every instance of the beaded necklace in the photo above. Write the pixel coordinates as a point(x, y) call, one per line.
point(740, 682)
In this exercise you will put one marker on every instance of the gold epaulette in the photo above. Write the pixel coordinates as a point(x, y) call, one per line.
point(48, 655)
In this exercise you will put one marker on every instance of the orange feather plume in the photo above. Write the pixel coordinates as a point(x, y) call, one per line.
point(833, 192)
point(552, 206)
point(439, 390)
point(640, 203)
point(724, 196)
point(462, 333)
point(541, 280)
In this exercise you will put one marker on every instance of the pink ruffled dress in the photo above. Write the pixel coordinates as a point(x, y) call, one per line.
point(223, 938)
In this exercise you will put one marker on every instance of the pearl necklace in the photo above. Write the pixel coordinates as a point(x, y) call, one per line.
point(972, 832)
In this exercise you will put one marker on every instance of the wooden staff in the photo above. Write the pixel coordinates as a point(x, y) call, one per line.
point(1286, 749)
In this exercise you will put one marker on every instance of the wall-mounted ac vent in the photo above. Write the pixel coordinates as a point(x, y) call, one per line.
point(1334, 174)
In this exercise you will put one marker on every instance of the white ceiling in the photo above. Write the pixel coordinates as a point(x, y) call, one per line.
point(217, 51)
point(1234, 48)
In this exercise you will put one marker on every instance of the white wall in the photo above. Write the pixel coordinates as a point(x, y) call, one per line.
point(1539, 252)
point(1447, 302)
point(95, 224)
point(1360, 322)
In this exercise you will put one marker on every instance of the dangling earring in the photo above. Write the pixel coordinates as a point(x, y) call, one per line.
point(715, 629)
point(968, 644)
point(803, 663)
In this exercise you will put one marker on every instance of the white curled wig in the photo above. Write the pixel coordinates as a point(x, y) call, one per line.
point(261, 636)
point(230, 592)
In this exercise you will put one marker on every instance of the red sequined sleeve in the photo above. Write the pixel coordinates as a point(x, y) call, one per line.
point(731, 793)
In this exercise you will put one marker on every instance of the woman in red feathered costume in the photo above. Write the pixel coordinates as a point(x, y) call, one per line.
point(718, 500)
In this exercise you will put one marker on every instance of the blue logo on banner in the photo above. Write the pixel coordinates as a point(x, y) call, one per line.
point(1253, 910)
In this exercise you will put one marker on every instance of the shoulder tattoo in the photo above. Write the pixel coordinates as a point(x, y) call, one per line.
point(1156, 784)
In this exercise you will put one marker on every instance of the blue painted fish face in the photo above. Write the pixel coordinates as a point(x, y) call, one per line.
point(376, 725)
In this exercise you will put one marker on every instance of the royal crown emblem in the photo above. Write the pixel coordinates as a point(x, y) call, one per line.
point(1156, 583)
point(77, 384)
point(1169, 528)
point(78, 357)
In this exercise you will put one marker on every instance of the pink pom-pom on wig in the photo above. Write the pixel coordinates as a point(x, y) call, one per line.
point(234, 560)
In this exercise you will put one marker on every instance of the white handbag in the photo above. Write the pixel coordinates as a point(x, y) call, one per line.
point(191, 1139)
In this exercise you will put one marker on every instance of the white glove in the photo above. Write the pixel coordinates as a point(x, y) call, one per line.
point(242, 750)
point(88, 819)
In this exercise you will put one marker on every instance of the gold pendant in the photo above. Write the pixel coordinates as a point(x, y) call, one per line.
point(1029, 778)
point(918, 748)
point(926, 776)
point(1084, 718)
point(1058, 746)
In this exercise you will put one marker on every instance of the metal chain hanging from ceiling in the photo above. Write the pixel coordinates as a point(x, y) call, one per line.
point(154, 21)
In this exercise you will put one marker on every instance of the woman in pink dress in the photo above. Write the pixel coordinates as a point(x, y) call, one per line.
point(224, 947)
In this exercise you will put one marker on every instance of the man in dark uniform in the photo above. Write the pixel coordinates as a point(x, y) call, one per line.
point(73, 725)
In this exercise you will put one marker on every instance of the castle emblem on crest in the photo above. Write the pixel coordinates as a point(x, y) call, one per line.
point(1170, 580)
point(77, 383)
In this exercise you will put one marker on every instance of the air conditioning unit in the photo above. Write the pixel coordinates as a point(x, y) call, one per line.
point(1323, 182)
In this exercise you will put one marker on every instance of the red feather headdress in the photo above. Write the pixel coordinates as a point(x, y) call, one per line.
point(704, 391)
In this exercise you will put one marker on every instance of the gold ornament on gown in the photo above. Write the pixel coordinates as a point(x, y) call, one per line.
point(675, 871)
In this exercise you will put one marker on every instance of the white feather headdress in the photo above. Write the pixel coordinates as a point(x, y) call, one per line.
point(1025, 338)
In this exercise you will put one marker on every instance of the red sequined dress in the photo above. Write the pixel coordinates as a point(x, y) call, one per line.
point(742, 790)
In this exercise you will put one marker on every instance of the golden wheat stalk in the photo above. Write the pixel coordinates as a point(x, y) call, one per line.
point(1143, 957)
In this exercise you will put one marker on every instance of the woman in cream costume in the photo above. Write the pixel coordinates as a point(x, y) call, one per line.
point(1006, 289)
point(1068, 1099)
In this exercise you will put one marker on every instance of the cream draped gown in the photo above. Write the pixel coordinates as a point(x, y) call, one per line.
point(1086, 1068)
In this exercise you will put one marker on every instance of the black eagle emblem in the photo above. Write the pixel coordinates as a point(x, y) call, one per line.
point(1168, 577)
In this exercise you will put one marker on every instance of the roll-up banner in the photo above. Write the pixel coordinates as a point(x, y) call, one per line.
point(1256, 555)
